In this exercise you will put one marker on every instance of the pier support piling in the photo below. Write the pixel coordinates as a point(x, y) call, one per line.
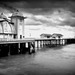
point(13, 48)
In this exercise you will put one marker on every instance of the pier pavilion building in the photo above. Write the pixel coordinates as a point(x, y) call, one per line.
point(52, 36)
point(45, 35)
point(6, 28)
point(18, 19)
point(12, 28)
point(57, 36)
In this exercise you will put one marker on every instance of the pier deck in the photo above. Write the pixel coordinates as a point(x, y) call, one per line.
point(21, 46)
point(8, 41)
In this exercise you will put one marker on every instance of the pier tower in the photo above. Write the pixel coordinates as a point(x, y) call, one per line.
point(18, 19)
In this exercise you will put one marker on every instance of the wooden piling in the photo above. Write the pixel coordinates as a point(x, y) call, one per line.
point(3, 50)
point(13, 48)
point(23, 49)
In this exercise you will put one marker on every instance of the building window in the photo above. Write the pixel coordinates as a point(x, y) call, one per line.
point(14, 36)
point(23, 36)
point(20, 36)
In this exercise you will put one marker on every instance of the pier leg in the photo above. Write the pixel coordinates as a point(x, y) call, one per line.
point(60, 41)
point(53, 42)
point(57, 42)
point(42, 44)
point(23, 49)
point(33, 47)
point(29, 48)
point(46, 43)
point(63, 42)
point(39, 44)
point(19, 48)
point(6, 48)
point(13, 48)
point(3, 50)
point(49, 43)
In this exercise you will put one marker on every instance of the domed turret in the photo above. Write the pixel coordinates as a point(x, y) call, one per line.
point(17, 14)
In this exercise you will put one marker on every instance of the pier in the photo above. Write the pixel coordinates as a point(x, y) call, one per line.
point(13, 40)
point(22, 46)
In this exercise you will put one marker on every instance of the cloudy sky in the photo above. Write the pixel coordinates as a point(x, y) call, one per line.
point(44, 16)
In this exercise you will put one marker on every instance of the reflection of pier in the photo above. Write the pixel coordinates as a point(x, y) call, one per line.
point(11, 47)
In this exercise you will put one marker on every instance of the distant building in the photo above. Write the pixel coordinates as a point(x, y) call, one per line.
point(55, 35)
point(58, 36)
point(45, 35)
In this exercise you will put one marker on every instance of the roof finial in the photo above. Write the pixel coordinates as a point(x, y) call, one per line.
point(17, 10)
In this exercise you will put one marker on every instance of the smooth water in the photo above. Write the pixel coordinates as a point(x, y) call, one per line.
point(47, 61)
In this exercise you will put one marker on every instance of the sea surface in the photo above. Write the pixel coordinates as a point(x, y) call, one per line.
point(46, 61)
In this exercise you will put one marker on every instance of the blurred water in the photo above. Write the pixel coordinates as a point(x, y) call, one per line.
point(46, 61)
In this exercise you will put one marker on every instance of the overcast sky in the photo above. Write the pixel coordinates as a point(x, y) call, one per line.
point(44, 16)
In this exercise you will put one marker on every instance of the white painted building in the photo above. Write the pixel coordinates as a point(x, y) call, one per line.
point(6, 28)
point(13, 28)
point(18, 19)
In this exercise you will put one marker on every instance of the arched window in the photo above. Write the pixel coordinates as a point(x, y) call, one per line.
point(1, 28)
point(6, 27)
point(12, 28)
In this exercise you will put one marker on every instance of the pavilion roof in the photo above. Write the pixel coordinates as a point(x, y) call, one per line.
point(57, 35)
point(18, 14)
point(46, 34)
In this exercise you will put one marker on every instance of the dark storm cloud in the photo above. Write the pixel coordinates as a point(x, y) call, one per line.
point(39, 3)
point(42, 7)
point(68, 22)
point(8, 7)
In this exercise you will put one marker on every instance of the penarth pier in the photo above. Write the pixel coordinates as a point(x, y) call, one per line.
point(13, 41)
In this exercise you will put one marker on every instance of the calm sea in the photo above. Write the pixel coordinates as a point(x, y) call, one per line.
point(46, 61)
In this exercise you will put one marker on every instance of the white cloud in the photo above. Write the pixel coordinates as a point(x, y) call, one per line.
point(30, 21)
point(35, 31)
